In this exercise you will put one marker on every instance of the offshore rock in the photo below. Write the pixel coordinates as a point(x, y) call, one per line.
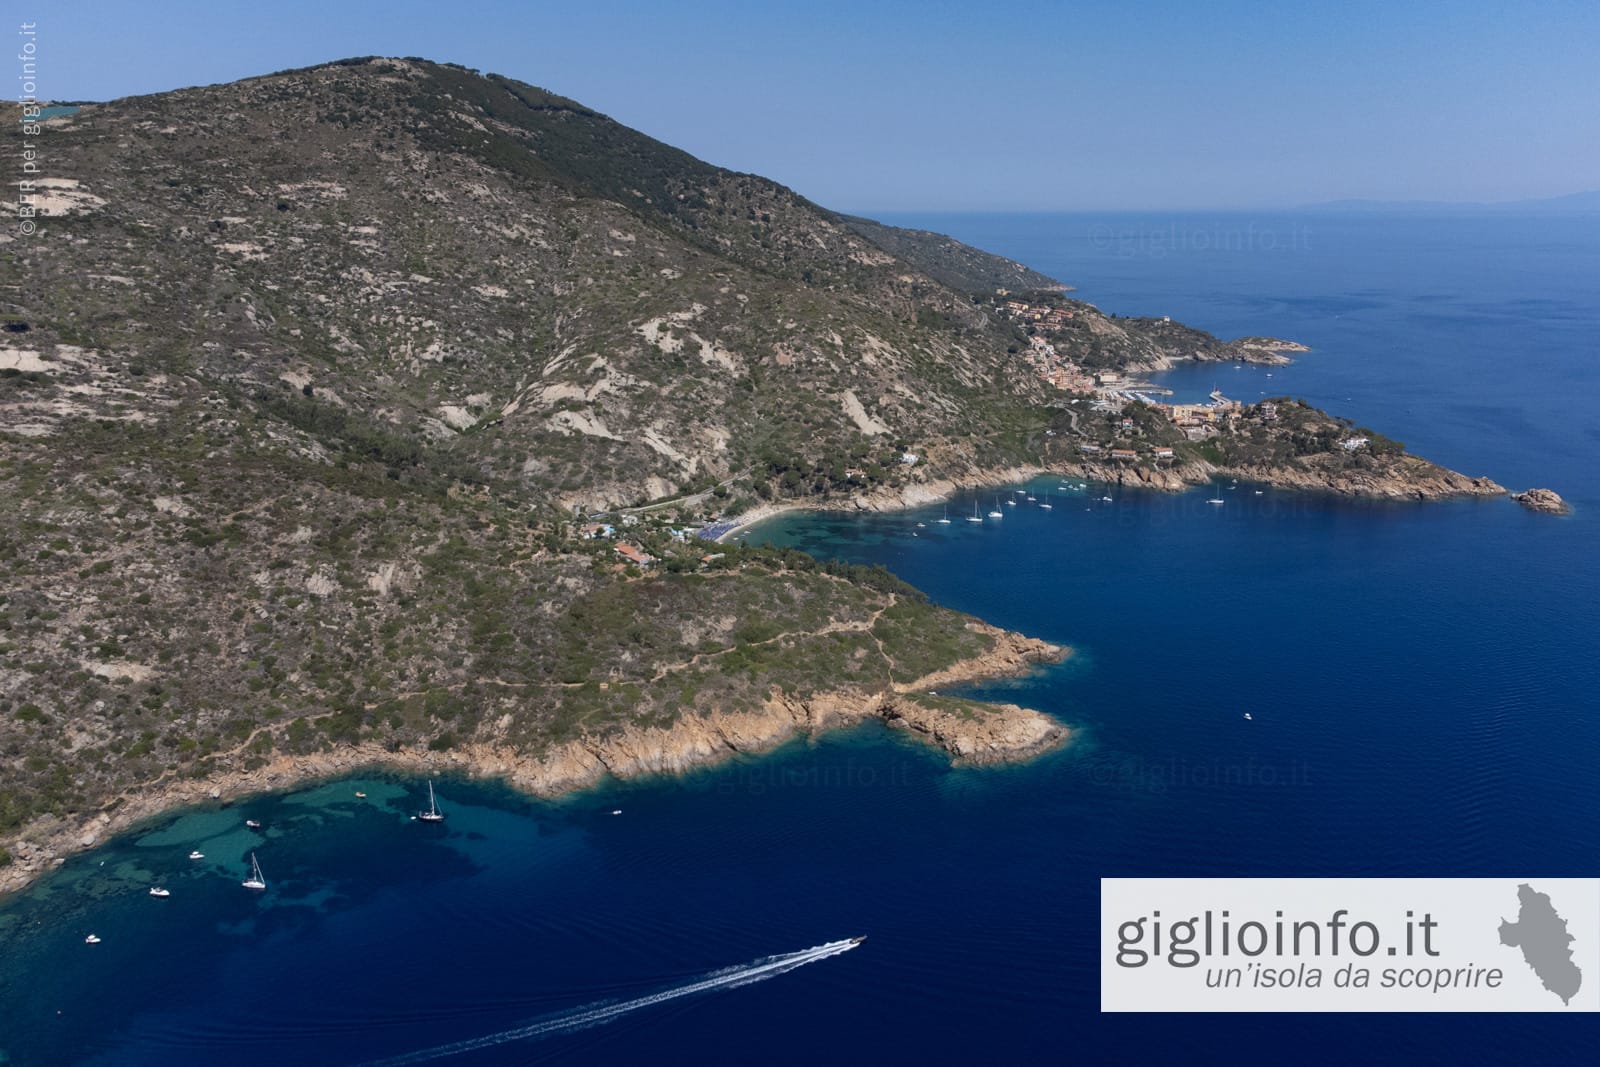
point(1542, 500)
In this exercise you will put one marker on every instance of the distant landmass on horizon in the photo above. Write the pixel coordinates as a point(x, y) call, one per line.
point(1573, 203)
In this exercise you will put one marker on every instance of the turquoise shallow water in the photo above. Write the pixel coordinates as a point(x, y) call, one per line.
point(1421, 682)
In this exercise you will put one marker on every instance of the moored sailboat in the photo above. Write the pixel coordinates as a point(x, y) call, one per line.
point(433, 814)
point(256, 881)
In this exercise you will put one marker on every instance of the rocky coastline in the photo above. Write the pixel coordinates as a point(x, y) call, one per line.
point(1260, 351)
point(1425, 482)
point(996, 734)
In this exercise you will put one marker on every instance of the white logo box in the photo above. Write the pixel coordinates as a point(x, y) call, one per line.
point(1350, 944)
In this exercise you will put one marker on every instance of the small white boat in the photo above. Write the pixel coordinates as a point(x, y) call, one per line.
point(1047, 505)
point(1215, 500)
point(922, 526)
point(91, 940)
point(1106, 499)
point(997, 513)
point(974, 517)
point(1258, 492)
point(251, 824)
point(1247, 715)
point(360, 795)
point(616, 811)
point(255, 881)
point(1011, 501)
point(1031, 499)
point(433, 814)
point(946, 520)
point(197, 855)
point(157, 891)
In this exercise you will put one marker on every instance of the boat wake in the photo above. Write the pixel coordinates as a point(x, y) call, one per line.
point(758, 970)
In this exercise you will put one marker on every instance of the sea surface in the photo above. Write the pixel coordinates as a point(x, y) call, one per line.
point(1421, 682)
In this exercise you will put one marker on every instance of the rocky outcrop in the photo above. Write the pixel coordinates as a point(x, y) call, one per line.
point(1010, 655)
point(1543, 500)
point(1002, 733)
point(1167, 478)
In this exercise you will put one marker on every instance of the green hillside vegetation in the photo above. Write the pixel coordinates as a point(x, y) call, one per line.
point(310, 383)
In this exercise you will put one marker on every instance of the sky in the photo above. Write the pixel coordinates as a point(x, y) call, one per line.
point(932, 106)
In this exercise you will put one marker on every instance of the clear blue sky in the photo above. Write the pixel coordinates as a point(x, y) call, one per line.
point(1026, 105)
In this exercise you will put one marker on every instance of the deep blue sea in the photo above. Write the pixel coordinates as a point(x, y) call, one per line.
point(1422, 682)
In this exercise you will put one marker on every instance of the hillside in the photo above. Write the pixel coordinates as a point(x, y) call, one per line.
point(308, 380)
point(506, 280)
point(304, 374)
point(948, 261)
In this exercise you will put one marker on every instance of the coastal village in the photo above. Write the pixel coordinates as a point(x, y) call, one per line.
point(1111, 391)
